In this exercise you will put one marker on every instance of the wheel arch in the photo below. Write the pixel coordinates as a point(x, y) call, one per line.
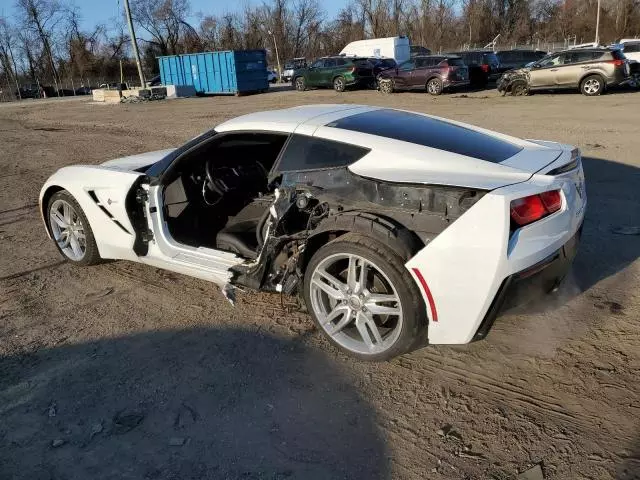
point(402, 241)
point(49, 192)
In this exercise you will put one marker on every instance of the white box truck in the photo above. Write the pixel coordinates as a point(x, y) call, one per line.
point(397, 48)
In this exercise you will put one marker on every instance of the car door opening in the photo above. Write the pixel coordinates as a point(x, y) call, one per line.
point(219, 194)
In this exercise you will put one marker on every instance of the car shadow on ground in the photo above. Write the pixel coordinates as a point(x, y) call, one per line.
point(606, 247)
point(198, 403)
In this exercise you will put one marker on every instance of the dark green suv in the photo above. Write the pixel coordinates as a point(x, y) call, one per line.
point(337, 72)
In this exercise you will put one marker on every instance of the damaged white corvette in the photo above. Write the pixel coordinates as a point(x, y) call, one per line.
point(397, 229)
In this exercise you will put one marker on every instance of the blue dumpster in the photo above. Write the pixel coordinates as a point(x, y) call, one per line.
point(228, 72)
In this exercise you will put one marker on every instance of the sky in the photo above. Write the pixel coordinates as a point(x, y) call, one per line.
point(100, 11)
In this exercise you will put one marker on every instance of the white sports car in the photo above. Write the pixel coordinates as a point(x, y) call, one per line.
point(396, 228)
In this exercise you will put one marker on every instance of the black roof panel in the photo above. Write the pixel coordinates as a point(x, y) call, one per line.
point(429, 132)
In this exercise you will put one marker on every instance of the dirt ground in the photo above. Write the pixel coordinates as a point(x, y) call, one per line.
point(125, 371)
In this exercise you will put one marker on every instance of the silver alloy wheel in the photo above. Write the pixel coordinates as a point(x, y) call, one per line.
point(300, 84)
point(433, 87)
point(67, 230)
point(356, 304)
point(338, 84)
point(591, 86)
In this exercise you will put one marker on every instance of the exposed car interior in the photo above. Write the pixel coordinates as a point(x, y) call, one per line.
point(218, 195)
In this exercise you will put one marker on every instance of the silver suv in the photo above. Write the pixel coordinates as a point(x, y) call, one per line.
point(590, 70)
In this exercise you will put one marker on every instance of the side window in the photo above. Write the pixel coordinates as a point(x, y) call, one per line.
point(422, 62)
point(507, 57)
point(341, 62)
point(632, 47)
point(577, 57)
point(551, 61)
point(407, 66)
point(330, 62)
point(318, 64)
point(303, 152)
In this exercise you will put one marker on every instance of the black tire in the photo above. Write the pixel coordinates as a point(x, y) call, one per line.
point(91, 254)
point(414, 324)
point(592, 85)
point(434, 86)
point(339, 84)
point(300, 84)
point(519, 88)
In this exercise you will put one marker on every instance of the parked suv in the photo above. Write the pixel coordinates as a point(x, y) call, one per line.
point(510, 59)
point(590, 70)
point(484, 66)
point(291, 66)
point(337, 72)
point(433, 73)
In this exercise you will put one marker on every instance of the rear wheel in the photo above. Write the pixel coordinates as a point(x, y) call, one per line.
point(300, 84)
point(592, 85)
point(70, 229)
point(434, 86)
point(363, 299)
point(339, 84)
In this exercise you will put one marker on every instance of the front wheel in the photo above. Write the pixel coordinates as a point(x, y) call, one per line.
point(385, 85)
point(70, 229)
point(300, 84)
point(592, 85)
point(363, 299)
point(519, 88)
point(434, 86)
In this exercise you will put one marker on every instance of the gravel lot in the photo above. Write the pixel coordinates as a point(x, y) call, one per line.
point(124, 371)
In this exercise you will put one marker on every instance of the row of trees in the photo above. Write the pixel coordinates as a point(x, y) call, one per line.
point(43, 41)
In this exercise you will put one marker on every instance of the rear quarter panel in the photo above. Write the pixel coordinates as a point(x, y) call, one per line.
point(465, 265)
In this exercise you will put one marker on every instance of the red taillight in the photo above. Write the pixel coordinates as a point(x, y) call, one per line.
point(485, 68)
point(353, 69)
point(534, 207)
point(552, 200)
point(617, 63)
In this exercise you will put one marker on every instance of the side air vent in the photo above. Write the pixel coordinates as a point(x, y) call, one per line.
point(95, 198)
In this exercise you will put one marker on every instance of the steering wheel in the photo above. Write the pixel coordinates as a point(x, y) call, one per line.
point(213, 185)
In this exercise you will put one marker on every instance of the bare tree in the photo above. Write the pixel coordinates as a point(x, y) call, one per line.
point(42, 17)
point(7, 59)
point(164, 20)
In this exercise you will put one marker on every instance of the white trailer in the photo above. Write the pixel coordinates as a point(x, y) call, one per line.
point(397, 48)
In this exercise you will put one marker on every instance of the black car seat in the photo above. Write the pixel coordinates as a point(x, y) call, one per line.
point(241, 234)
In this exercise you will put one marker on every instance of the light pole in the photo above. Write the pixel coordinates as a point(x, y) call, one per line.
point(275, 44)
point(134, 43)
point(598, 24)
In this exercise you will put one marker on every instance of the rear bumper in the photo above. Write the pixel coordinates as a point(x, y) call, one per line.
point(531, 283)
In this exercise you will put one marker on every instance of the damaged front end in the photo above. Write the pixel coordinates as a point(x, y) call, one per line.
point(311, 208)
point(515, 82)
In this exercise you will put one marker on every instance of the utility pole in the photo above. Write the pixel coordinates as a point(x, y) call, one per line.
point(134, 43)
point(598, 25)
point(277, 56)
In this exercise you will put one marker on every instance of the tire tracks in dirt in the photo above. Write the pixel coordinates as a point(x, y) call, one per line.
point(496, 391)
